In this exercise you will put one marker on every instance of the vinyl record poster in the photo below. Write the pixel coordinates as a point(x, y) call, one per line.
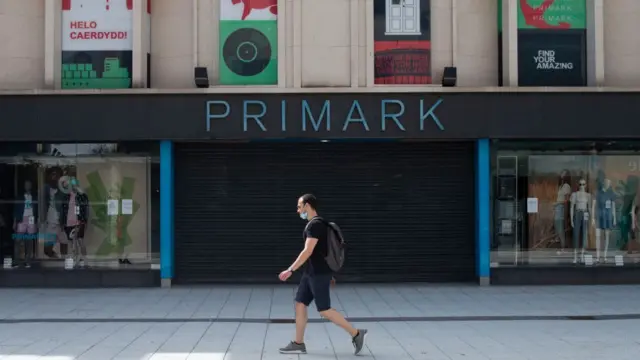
point(248, 42)
point(97, 44)
point(552, 43)
point(402, 41)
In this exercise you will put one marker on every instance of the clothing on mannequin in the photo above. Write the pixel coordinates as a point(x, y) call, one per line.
point(634, 228)
point(579, 209)
point(53, 203)
point(560, 208)
point(24, 225)
point(74, 216)
point(605, 216)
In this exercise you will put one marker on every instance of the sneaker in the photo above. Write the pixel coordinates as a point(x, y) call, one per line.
point(358, 341)
point(294, 348)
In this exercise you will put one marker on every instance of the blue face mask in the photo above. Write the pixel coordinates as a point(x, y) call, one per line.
point(304, 216)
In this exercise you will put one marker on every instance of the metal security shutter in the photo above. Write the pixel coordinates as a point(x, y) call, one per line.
point(406, 209)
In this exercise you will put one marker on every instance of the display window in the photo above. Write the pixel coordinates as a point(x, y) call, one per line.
point(572, 204)
point(80, 206)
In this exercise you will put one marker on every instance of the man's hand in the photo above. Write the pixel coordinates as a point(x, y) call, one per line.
point(333, 281)
point(285, 275)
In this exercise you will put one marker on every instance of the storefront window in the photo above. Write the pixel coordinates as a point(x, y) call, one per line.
point(568, 203)
point(78, 206)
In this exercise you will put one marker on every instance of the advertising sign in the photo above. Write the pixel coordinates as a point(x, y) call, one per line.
point(552, 58)
point(552, 14)
point(402, 41)
point(248, 42)
point(97, 43)
point(552, 43)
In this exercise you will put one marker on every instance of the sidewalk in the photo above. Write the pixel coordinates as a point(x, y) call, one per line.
point(405, 322)
point(360, 303)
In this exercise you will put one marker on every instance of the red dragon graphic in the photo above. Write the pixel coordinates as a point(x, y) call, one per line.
point(535, 16)
point(250, 5)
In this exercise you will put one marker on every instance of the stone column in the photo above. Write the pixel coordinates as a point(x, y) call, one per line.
point(509, 43)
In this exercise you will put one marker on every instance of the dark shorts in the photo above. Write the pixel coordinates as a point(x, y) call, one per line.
point(315, 288)
point(80, 233)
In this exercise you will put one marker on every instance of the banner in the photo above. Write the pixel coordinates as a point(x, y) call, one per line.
point(552, 43)
point(97, 44)
point(402, 41)
point(248, 42)
point(552, 14)
point(552, 58)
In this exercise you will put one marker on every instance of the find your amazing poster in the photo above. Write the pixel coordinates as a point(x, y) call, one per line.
point(402, 41)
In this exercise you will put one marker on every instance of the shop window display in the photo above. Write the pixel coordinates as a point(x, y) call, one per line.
point(77, 206)
point(569, 204)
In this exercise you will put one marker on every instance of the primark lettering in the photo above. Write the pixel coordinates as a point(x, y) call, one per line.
point(316, 116)
point(546, 60)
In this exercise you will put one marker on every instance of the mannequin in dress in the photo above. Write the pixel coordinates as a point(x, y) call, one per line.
point(605, 216)
point(579, 208)
point(24, 224)
point(560, 207)
point(75, 213)
point(54, 198)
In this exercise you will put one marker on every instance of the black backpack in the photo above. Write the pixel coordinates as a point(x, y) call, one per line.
point(335, 246)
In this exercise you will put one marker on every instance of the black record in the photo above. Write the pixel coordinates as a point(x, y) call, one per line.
point(247, 52)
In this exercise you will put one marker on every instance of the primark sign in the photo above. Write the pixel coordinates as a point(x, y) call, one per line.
point(324, 117)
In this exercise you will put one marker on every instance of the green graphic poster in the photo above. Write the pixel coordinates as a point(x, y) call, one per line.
point(115, 228)
point(552, 14)
point(96, 69)
point(248, 42)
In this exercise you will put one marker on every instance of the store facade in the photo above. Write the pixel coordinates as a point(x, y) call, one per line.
point(441, 187)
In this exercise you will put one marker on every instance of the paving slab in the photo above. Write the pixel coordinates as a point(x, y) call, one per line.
point(475, 340)
point(264, 304)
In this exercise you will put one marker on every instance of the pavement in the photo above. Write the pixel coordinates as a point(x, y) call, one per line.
point(404, 322)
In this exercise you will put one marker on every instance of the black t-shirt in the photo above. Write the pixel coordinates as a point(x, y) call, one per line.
point(316, 264)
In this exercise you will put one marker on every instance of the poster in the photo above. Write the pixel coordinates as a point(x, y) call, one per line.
point(248, 42)
point(552, 58)
point(112, 234)
point(97, 44)
point(552, 14)
point(402, 41)
point(552, 43)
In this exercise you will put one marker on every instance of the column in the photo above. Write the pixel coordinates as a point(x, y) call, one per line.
point(52, 43)
point(483, 211)
point(595, 43)
point(141, 44)
point(509, 42)
point(166, 213)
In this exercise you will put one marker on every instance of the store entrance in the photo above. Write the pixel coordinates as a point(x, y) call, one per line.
point(406, 209)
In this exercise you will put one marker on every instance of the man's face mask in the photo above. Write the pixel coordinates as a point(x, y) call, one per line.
point(303, 213)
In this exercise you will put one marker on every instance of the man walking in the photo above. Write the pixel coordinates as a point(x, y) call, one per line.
point(316, 280)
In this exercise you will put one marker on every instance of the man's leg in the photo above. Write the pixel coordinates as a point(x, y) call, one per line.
point(321, 286)
point(304, 297)
point(301, 321)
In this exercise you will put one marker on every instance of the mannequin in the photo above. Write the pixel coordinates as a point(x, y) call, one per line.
point(564, 191)
point(54, 198)
point(605, 216)
point(25, 216)
point(579, 207)
point(75, 213)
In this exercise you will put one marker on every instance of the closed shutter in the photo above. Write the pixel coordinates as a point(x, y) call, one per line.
point(406, 209)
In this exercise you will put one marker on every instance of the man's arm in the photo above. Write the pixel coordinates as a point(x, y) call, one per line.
point(309, 245)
